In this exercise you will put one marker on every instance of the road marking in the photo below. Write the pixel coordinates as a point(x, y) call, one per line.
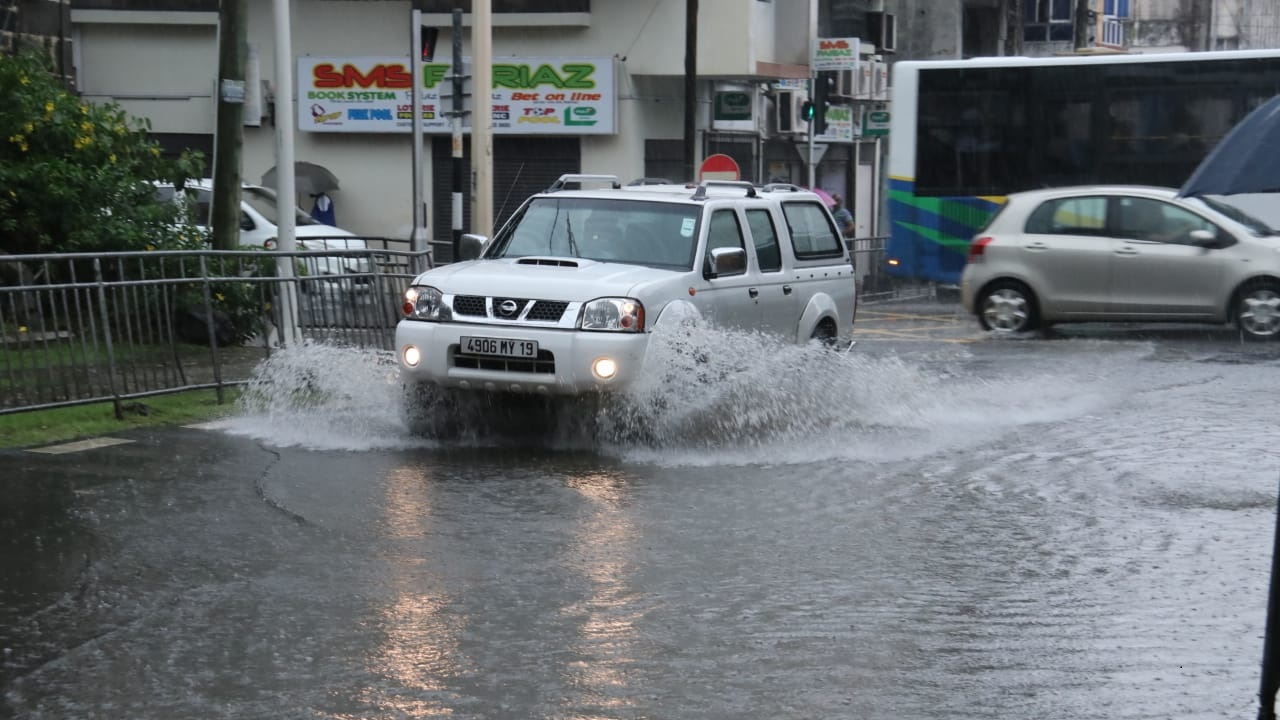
point(79, 446)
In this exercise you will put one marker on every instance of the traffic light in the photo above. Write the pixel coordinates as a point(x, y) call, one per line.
point(806, 111)
point(824, 89)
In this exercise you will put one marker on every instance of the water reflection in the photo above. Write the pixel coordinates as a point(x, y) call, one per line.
point(604, 552)
point(419, 647)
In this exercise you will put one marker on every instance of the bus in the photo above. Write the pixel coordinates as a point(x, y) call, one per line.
point(963, 134)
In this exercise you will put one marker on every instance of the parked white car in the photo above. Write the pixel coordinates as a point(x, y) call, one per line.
point(259, 217)
point(564, 298)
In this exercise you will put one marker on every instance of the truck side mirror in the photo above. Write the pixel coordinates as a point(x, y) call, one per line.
point(470, 246)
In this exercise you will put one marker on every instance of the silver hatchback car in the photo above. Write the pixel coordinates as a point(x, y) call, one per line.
point(1123, 253)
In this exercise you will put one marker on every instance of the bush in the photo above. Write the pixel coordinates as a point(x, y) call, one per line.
point(77, 176)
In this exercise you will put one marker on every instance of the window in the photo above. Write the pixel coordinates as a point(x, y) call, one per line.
point(1116, 8)
point(812, 234)
point(1155, 221)
point(765, 237)
point(724, 232)
point(1046, 20)
point(1069, 216)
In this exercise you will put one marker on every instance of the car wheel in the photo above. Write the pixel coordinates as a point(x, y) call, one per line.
point(1257, 310)
point(1008, 307)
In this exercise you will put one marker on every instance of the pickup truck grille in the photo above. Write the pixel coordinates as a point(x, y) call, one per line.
point(545, 363)
point(542, 310)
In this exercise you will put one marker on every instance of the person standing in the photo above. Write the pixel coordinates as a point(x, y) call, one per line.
point(322, 209)
point(844, 218)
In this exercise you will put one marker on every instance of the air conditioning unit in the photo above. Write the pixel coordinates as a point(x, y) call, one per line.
point(882, 27)
point(879, 80)
point(787, 106)
point(846, 83)
point(864, 84)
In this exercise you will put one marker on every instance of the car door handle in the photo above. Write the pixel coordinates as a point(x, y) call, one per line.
point(1126, 250)
point(753, 292)
point(1037, 246)
point(786, 289)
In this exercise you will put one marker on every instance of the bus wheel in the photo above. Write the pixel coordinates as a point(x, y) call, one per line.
point(1008, 307)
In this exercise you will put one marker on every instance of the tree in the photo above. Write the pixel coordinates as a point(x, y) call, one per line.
point(77, 176)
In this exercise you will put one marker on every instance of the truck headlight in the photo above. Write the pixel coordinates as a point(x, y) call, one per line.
point(612, 315)
point(423, 302)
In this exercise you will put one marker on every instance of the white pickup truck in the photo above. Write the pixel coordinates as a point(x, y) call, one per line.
point(563, 300)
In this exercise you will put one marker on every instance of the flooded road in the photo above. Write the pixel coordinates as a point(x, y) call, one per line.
point(1077, 526)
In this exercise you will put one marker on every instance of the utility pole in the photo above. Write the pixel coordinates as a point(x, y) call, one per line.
point(690, 89)
point(455, 124)
point(482, 117)
point(233, 46)
point(1080, 36)
point(418, 236)
point(1012, 27)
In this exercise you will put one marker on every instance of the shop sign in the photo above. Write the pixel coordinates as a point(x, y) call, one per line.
point(531, 96)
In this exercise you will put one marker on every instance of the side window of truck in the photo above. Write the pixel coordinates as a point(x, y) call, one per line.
point(723, 232)
point(765, 238)
point(812, 234)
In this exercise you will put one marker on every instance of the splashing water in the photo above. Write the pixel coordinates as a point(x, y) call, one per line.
point(705, 396)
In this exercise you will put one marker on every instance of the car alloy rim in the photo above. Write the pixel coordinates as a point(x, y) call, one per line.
point(1260, 313)
point(1005, 310)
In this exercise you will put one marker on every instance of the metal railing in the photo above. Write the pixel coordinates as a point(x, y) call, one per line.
point(83, 328)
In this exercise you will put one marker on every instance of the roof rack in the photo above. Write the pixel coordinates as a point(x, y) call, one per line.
point(570, 178)
point(775, 187)
point(701, 192)
point(649, 181)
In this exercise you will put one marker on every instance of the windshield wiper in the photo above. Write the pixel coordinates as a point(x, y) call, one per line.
point(568, 228)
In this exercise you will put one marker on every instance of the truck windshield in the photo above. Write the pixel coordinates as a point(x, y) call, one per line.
point(637, 232)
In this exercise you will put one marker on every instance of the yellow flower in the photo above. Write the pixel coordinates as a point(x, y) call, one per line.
point(22, 328)
point(16, 138)
point(48, 108)
point(28, 127)
point(82, 143)
point(149, 247)
point(13, 195)
point(86, 127)
point(112, 158)
point(24, 80)
point(84, 109)
point(220, 297)
point(155, 151)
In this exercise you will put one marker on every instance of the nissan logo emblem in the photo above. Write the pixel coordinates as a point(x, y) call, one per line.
point(508, 308)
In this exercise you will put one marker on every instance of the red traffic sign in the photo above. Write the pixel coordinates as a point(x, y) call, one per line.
point(719, 167)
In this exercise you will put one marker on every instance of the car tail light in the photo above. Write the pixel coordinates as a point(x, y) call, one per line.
point(978, 247)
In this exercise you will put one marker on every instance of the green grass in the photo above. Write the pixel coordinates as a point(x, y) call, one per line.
point(45, 427)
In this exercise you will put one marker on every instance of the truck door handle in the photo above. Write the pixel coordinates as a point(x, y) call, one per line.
point(786, 289)
point(753, 292)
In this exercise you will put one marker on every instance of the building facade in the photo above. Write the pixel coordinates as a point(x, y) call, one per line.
point(592, 86)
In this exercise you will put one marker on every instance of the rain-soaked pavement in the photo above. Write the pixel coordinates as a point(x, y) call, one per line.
point(937, 524)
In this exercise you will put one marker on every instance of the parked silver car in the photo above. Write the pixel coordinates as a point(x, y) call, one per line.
point(1123, 253)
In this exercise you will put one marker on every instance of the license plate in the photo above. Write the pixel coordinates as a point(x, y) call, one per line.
point(499, 346)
